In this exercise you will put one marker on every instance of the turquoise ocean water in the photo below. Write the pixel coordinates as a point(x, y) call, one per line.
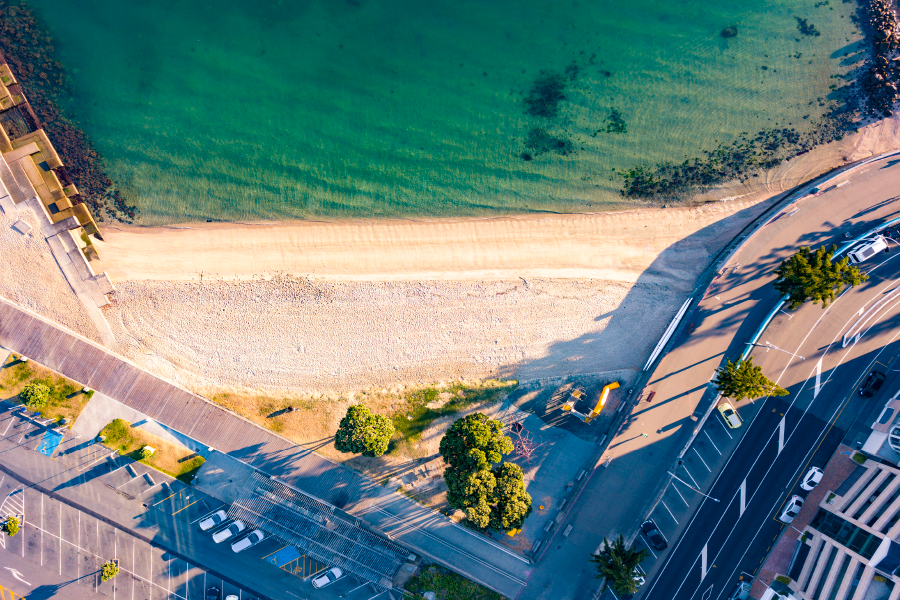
point(249, 110)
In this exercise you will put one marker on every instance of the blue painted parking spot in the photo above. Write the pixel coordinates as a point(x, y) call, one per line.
point(49, 442)
point(284, 556)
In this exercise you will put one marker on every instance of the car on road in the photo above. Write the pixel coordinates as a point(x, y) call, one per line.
point(729, 415)
point(255, 537)
point(229, 532)
point(872, 384)
point(868, 249)
point(741, 591)
point(212, 520)
point(327, 578)
point(213, 593)
point(791, 509)
point(811, 479)
point(654, 535)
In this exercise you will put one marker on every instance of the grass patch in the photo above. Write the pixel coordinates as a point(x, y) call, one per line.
point(426, 405)
point(66, 398)
point(448, 585)
point(171, 459)
point(859, 457)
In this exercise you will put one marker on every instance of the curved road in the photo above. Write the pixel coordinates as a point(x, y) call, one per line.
point(635, 482)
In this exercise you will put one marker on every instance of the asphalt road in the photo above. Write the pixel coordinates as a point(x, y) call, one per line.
point(624, 487)
point(724, 539)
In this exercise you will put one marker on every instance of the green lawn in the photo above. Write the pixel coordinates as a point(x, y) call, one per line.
point(417, 416)
point(447, 585)
point(66, 398)
point(169, 458)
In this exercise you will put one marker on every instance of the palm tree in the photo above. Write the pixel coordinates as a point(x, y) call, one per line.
point(618, 565)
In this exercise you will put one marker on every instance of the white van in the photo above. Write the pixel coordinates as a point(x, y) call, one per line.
point(868, 249)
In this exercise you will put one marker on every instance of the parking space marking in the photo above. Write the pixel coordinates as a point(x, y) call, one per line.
point(728, 433)
point(200, 518)
point(674, 487)
point(670, 512)
point(703, 461)
point(683, 466)
point(188, 506)
point(712, 442)
point(166, 498)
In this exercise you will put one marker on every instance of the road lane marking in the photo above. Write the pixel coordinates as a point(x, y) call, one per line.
point(703, 461)
point(166, 498)
point(712, 442)
point(781, 426)
point(743, 496)
point(719, 421)
point(663, 502)
point(703, 563)
point(818, 378)
point(212, 512)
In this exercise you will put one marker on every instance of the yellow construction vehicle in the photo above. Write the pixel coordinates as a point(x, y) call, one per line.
point(576, 395)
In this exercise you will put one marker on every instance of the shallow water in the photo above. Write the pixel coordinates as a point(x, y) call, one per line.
point(245, 110)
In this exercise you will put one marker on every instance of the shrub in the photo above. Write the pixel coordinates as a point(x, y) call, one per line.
point(783, 579)
point(35, 395)
point(146, 452)
point(109, 570)
point(859, 457)
point(11, 527)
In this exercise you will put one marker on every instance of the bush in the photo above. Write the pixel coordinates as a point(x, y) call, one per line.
point(11, 527)
point(35, 395)
point(364, 432)
point(146, 452)
point(783, 579)
point(859, 457)
point(109, 570)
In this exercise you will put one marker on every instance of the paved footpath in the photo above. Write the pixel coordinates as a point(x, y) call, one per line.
point(619, 496)
point(425, 531)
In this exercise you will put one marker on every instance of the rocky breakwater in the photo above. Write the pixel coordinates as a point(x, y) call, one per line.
point(880, 80)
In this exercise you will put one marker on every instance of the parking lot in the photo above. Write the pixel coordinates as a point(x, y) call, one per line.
point(61, 548)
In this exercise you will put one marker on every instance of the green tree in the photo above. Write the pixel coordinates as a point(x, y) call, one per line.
point(110, 569)
point(618, 565)
point(35, 395)
point(364, 432)
point(11, 527)
point(512, 504)
point(743, 379)
point(813, 276)
point(474, 443)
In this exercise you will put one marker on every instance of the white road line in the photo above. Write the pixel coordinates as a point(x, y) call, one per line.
point(743, 496)
point(684, 466)
point(60, 538)
point(201, 517)
point(703, 563)
point(663, 502)
point(781, 426)
point(712, 442)
point(8, 425)
point(674, 487)
point(42, 530)
point(818, 378)
point(701, 460)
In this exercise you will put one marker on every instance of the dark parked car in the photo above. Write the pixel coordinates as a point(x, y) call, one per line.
point(872, 384)
point(213, 593)
point(654, 536)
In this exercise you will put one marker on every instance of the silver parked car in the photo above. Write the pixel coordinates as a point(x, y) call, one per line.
point(229, 532)
point(327, 578)
point(212, 520)
point(255, 537)
point(791, 509)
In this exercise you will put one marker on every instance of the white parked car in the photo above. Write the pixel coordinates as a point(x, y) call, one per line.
point(212, 520)
point(327, 578)
point(229, 532)
point(791, 509)
point(255, 537)
point(231, 597)
point(812, 479)
point(868, 249)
